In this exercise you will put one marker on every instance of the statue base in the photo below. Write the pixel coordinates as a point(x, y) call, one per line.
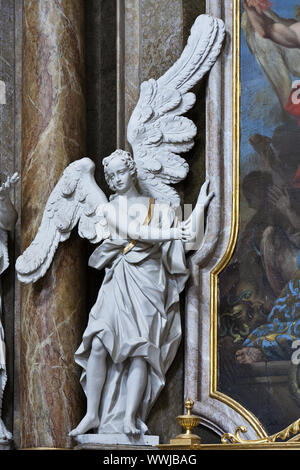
point(6, 444)
point(113, 441)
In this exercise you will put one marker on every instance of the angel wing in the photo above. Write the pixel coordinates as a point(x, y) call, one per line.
point(74, 199)
point(157, 131)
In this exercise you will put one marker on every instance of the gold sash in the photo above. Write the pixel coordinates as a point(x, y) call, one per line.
point(146, 222)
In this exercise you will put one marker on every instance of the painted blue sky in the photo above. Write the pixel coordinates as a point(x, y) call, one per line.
point(254, 81)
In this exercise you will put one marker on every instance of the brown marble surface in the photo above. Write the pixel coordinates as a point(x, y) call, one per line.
point(53, 121)
point(161, 36)
point(153, 41)
point(131, 61)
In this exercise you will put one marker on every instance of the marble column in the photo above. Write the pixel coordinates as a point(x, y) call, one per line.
point(52, 310)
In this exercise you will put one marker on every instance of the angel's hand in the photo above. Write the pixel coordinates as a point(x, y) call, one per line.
point(10, 182)
point(185, 231)
point(204, 197)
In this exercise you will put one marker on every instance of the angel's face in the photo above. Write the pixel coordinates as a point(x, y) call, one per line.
point(119, 176)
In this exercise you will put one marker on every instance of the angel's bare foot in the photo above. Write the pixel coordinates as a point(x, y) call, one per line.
point(130, 428)
point(88, 422)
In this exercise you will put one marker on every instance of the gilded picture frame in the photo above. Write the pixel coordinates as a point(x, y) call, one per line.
point(233, 420)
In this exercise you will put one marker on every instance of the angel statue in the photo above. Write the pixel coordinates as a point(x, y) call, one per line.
point(8, 217)
point(134, 328)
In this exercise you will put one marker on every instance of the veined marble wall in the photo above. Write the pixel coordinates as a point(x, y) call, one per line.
point(126, 42)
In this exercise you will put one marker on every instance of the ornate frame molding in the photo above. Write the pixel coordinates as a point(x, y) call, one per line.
point(219, 412)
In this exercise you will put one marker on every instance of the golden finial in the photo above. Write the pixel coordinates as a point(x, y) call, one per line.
point(188, 422)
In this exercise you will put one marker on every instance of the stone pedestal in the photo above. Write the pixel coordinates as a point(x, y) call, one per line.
point(6, 445)
point(52, 310)
point(116, 440)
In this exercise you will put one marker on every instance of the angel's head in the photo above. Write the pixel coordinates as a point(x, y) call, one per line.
point(119, 171)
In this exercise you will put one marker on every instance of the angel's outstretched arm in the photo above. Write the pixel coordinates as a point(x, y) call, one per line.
point(133, 229)
point(192, 230)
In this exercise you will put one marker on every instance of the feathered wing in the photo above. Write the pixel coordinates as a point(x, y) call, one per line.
point(157, 131)
point(74, 199)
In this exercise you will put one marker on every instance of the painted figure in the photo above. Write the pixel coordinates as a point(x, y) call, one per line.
point(259, 289)
point(284, 33)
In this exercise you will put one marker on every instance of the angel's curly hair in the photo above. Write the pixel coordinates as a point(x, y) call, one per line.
point(127, 159)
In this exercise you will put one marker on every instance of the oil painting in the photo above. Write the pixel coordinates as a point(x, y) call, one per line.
point(259, 289)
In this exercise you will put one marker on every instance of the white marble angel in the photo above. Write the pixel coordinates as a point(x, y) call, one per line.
point(134, 328)
point(8, 217)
